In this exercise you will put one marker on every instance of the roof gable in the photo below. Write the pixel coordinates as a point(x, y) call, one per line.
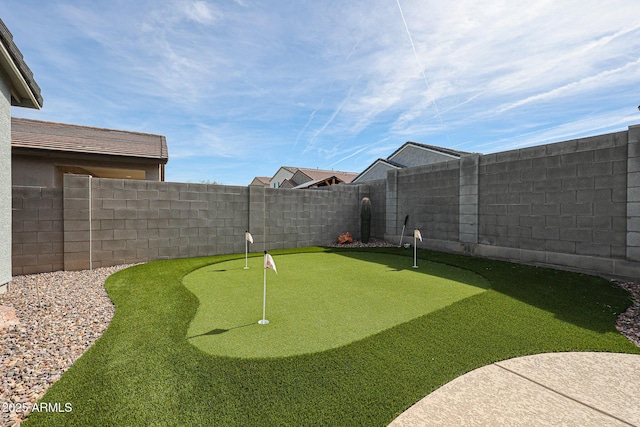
point(402, 158)
point(391, 164)
point(433, 148)
point(287, 183)
point(261, 180)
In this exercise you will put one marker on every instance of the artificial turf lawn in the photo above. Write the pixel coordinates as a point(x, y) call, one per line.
point(143, 370)
point(317, 301)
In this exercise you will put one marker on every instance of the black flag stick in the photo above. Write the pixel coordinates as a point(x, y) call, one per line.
point(406, 218)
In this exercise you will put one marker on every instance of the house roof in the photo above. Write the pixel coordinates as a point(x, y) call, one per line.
point(319, 174)
point(326, 181)
point(25, 92)
point(287, 183)
point(388, 162)
point(303, 175)
point(291, 169)
point(442, 150)
point(263, 180)
point(36, 134)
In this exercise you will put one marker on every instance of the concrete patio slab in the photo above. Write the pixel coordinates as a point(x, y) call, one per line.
point(555, 389)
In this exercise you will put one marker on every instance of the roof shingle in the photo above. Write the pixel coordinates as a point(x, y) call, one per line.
point(36, 134)
point(316, 174)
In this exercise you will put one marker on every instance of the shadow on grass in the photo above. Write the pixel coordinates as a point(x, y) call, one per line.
point(220, 331)
point(402, 262)
point(586, 301)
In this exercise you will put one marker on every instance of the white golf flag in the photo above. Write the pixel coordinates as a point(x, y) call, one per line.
point(248, 237)
point(269, 263)
point(417, 235)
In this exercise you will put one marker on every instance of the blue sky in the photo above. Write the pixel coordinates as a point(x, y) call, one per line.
point(240, 88)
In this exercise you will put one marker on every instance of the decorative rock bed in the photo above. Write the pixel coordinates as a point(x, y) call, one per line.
point(60, 315)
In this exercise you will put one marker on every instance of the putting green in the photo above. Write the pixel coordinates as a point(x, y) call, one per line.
point(317, 301)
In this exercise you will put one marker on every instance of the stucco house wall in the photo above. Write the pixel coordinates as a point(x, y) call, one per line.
point(17, 88)
point(47, 170)
point(281, 175)
point(5, 181)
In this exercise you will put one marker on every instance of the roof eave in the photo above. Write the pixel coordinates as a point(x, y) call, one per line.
point(25, 92)
point(454, 154)
point(385, 161)
point(48, 152)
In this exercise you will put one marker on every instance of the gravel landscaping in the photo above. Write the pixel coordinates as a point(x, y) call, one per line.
point(628, 323)
point(61, 314)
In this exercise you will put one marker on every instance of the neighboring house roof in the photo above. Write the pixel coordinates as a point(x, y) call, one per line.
point(284, 172)
point(294, 177)
point(36, 134)
point(403, 157)
point(442, 150)
point(287, 183)
point(319, 174)
point(322, 182)
point(386, 162)
point(290, 169)
point(261, 180)
point(25, 92)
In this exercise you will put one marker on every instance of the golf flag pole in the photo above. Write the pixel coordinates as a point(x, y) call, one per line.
point(248, 238)
point(268, 263)
point(416, 236)
point(406, 218)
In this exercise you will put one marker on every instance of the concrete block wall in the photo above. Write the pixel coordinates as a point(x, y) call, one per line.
point(376, 191)
point(138, 221)
point(76, 214)
point(469, 193)
point(297, 218)
point(573, 204)
point(568, 197)
point(392, 228)
point(633, 195)
point(430, 196)
point(37, 230)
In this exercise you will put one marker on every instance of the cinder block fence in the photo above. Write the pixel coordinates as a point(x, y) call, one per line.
point(572, 204)
point(92, 223)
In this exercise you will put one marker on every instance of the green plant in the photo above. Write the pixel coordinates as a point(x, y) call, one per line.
point(365, 220)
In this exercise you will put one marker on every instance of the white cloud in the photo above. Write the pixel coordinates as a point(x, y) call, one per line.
point(200, 11)
point(593, 124)
point(334, 82)
point(628, 72)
